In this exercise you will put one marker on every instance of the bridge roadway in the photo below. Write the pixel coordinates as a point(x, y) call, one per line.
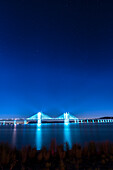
point(53, 120)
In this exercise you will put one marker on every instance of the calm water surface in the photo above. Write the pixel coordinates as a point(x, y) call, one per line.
point(22, 135)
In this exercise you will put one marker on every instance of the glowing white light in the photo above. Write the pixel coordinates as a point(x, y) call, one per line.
point(38, 137)
point(14, 122)
point(39, 115)
point(39, 118)
point(25, 122)
point(3, 122)
point(66, 118)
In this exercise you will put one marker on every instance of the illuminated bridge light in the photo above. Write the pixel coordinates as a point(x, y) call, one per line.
point(25, 122)
point(66, 118)
point(39, 120)
point(3, 122)
point(14, 122)
point(76, 120)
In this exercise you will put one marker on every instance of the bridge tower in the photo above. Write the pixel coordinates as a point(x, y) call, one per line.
point(39, 118)
point(25, 122)
point(14, 122)
point(66, 118)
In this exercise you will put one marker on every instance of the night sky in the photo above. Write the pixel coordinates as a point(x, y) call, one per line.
point(56, 56)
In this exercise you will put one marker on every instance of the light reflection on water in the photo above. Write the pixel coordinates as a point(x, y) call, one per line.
point(39, 136)
point(14, 136)
point(67, 135)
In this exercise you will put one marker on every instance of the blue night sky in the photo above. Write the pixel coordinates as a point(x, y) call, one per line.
point(56, 56)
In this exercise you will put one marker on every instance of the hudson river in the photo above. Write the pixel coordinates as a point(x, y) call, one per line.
point(23, 135)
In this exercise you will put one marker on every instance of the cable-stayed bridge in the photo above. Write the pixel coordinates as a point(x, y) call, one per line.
point(41, 117)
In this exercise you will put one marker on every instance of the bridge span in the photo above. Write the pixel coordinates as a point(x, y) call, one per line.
point(41, 118)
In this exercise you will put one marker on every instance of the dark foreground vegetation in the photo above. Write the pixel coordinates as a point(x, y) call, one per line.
point(92, 156)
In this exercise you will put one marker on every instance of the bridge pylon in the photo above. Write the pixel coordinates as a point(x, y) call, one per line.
point(14, 122)
point(25, 122)
point(66, 118)
point(39, 118)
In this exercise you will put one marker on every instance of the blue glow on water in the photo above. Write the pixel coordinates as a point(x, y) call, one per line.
point(14, 136)
point(66, 123)
point(67, 135)
point(39, 137)
point(38, 124)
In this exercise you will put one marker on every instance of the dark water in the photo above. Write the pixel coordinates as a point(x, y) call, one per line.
point(22, 135)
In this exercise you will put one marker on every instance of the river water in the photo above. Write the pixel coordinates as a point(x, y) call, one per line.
point(39, 136)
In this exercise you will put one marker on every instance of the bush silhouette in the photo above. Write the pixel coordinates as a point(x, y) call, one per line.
point(91, 156)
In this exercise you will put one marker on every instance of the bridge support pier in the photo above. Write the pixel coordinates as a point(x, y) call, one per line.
point(76, 121)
